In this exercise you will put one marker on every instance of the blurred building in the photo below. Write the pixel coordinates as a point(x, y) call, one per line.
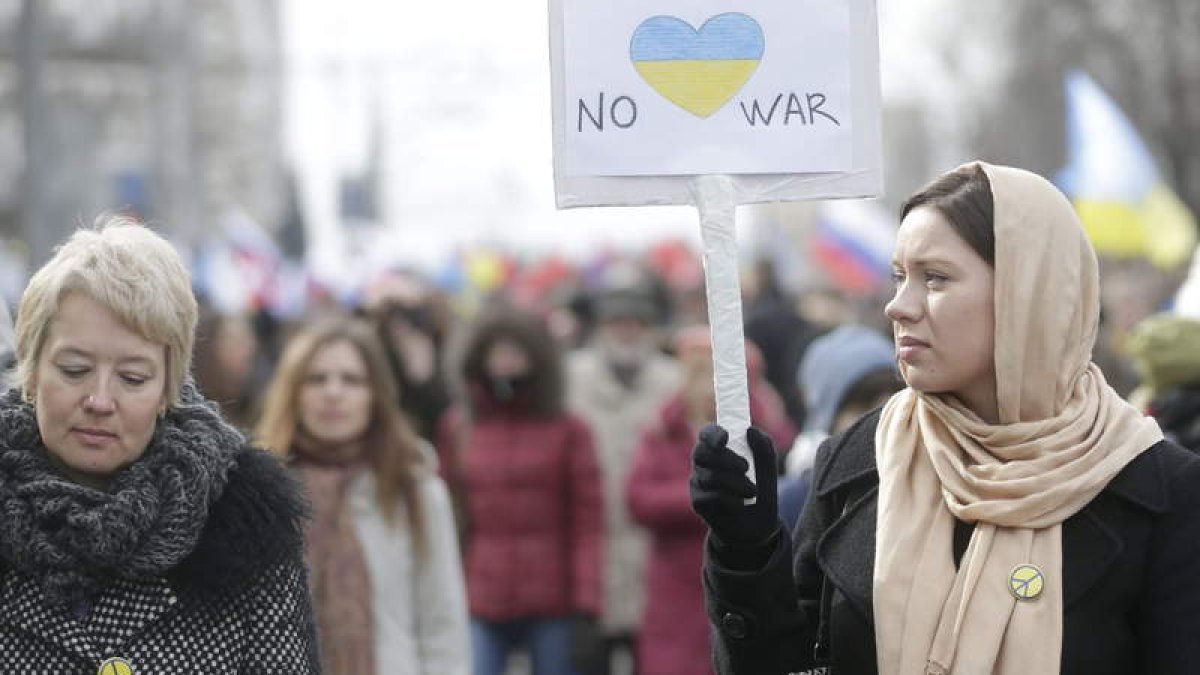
point(409, 133)
point(167, 108)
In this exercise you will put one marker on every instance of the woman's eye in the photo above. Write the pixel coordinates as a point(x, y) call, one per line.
point(134, 380)
point(73, 372)
point(897, 277)
point(933, 278)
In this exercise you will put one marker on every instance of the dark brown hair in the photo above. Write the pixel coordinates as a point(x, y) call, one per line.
point(964, 196)
point(234, 395)
point(393, 449)
point(528, 332)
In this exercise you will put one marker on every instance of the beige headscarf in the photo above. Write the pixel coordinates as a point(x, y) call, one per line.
point(1063, 435)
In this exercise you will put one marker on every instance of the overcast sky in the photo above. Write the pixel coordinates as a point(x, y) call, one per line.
point(457, 96)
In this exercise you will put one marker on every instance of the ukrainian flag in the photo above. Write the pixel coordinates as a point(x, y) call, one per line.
point(1126, 207)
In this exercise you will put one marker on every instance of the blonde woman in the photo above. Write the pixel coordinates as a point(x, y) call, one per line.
point(141, 533)
point(386, 576)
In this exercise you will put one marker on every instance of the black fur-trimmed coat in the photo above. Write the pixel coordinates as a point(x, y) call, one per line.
point(1131, 574)
point(237, 605)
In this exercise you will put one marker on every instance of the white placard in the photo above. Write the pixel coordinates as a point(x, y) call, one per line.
point(715, 103)
point(687, 87)
point(662, 69)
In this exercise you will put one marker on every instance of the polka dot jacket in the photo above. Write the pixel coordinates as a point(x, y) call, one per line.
point(238, 604)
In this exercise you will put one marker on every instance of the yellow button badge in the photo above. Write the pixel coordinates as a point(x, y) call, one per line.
point(115, 666)
point(1026, 582)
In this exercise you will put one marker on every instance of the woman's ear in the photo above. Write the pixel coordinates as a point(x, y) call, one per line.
point(29, 387)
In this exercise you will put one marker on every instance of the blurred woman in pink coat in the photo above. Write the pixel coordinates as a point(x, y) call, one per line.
point(674, 637)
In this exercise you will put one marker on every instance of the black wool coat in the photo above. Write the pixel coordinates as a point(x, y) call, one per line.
point(237, 605)
point(1131, 567)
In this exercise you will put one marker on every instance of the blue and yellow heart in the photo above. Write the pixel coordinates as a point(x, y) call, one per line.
point(697, 70)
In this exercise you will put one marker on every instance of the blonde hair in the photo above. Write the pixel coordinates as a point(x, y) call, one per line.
point(124, 266)
point(394, 451)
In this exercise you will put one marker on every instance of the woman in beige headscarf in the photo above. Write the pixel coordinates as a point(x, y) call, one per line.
point(1005, 514)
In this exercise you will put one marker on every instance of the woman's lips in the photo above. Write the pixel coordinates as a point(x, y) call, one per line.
point(94, 436)
point(907, 348)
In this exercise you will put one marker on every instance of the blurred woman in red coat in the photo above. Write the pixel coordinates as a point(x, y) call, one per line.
point(531, 512)
point(674, 637)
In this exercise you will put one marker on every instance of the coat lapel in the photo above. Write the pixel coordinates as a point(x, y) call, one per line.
point(1143, 482)
point(846, 552)
point(120, 616)
point(125, 610)
point(1091, 545)
point(1089, 548)
point(29, 613)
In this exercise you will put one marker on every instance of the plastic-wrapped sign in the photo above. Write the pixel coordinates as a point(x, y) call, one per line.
point(781, 97)
point(715, 103)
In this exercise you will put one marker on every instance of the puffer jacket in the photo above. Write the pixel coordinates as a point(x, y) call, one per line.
point(534, 510)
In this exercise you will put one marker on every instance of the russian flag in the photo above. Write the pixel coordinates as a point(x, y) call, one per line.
point(237, 268)
point(1126, 207)
point(852, 243)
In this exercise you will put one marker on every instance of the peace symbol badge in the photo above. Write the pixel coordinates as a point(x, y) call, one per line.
point(1026, 582)
point(115, 666)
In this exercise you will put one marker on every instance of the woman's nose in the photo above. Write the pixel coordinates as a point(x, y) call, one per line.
point(99, 401)
point(904, 307)
point(333, 388)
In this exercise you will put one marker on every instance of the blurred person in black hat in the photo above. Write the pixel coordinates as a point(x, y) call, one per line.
point(617, 383)
point(774, 324)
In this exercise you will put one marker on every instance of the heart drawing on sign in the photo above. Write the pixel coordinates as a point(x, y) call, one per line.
point(697, 70)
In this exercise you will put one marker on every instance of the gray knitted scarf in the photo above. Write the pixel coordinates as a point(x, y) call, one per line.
point(74, 539)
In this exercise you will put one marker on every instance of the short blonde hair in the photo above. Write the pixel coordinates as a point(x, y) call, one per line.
point(135, 273)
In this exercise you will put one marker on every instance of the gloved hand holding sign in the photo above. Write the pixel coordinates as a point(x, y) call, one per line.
point(719, 488)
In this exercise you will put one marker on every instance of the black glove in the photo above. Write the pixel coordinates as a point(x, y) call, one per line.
point(587, 645)
point(719, 487)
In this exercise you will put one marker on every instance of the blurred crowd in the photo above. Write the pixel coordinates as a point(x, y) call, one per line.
point(552, 418)
point(562, 407)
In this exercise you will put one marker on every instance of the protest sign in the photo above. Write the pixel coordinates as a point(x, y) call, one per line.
point(715, 103)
